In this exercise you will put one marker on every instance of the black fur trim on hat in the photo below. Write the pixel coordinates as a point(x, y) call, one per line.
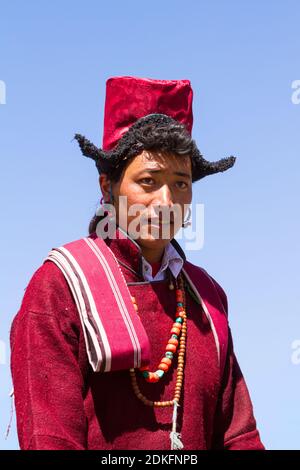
point(153, 132)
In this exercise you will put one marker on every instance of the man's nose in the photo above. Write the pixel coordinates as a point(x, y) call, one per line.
point(164, 196)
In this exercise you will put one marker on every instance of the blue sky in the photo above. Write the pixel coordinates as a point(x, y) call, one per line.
point(242, 58)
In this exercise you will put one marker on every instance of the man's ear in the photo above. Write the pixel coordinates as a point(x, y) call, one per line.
point(104, 183)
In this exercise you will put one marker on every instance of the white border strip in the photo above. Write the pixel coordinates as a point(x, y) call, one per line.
point(93, 310)
point(62, 263)
point(119, 299)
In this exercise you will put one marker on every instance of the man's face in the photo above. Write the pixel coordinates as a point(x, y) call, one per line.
point(158, 182)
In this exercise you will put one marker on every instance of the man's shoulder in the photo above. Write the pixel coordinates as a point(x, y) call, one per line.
point(199, 272)
point(46, 290)
point(46, 275)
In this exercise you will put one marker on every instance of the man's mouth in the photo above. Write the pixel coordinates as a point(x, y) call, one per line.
point(159, 221)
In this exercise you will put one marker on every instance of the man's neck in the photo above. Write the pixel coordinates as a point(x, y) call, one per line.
point(152, 256)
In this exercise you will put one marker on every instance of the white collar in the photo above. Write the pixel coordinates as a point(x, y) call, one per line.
point(171, 258)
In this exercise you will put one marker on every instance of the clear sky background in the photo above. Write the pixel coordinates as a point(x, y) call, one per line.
point(241, 58)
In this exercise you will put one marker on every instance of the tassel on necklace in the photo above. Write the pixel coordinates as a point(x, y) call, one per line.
point(175, 437)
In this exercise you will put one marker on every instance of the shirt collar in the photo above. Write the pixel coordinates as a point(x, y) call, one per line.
point(171, 259)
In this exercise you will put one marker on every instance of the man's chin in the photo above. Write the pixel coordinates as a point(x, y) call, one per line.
point(153, 236)
point(150, 241)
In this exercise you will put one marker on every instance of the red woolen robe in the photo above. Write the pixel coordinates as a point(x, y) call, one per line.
point(62, 404)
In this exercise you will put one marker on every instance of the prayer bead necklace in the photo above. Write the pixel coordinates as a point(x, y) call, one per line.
point(178, 338)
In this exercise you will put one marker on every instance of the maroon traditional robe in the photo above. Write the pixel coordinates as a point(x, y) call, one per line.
point(62, 404)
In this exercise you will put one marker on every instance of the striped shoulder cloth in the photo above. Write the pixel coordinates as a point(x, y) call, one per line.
point(114, 335)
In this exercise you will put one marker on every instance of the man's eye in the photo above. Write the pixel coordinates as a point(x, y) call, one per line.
point(182, 184)
point(150, 181)
point(146, 180)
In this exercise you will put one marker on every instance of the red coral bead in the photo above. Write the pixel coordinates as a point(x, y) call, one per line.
point(171, 347)
point(180, 314)
point(152, 378)
point(166, 360)
point(175, 331)
point(163, 366)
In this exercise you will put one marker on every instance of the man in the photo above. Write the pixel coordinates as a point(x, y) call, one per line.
point(120, 342)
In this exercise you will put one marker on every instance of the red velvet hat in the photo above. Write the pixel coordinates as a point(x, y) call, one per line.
point(134, 103)
point(130, 98)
